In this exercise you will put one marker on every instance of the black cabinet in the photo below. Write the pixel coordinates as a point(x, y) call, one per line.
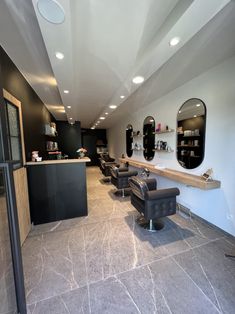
point(57, 191)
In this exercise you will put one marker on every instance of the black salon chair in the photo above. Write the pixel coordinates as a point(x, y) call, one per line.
point(105, 167)
point(151, 203)
point(120, 179)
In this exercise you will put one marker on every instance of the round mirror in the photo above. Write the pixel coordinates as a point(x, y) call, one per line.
point(149, 138)
point(129, 140)
point(191, 131)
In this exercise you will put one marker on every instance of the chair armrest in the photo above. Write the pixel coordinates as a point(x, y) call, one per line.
point(164, 193)
point(110, 163)
point(127, 174)
point(122, 169)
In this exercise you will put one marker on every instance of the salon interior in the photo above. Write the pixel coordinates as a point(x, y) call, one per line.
point(117, 145)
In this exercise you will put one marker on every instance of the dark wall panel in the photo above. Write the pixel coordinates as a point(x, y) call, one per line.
point(91, 140)
point(35, 114)
point(69, 138)
point(3, 134)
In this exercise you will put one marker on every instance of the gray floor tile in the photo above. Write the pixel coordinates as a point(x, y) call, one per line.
point(56, 266)
point(110, 296)
point(106, 263)
point(74, 302)
point(180, 292)
point(212, 272)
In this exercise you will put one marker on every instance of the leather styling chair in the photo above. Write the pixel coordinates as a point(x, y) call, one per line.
point(105, 163)
point(120, 179)
point(151, 203)
point(105, 167)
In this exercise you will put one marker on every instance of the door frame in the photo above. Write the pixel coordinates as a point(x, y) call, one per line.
point(9, 97)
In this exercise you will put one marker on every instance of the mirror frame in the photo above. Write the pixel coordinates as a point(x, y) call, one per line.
point(191, 138)
point(149, 140)
point(129, 140)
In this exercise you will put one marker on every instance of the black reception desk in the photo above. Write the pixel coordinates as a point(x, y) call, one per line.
point(57, 189)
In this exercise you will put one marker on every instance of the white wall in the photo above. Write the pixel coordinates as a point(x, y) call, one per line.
point(216, 88)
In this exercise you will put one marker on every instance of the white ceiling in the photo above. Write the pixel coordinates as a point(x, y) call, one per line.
point(106, 43)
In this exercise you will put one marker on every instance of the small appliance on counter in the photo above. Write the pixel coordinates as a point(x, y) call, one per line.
point(54, 155)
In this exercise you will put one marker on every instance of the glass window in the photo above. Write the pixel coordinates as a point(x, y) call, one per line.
point(14, 138)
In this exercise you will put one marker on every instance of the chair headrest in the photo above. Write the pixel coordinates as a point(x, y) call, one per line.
point(139, 187)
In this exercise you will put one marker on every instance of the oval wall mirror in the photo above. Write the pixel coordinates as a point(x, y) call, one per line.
point(149, 138)
point(191, 131)
point(129, 140)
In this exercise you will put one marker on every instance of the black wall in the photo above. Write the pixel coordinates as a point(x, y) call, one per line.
point(91, 139)
point(35, 114)
point(3, 134)
point(69, 138)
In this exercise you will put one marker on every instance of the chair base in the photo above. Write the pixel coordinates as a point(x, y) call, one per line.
point(106, 180)
point(122, 193)
point(150, 225)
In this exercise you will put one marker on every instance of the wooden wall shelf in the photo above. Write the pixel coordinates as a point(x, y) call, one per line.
point(164, 131)
point(179, 176)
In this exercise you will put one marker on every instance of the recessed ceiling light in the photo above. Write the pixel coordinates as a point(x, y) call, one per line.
point(106, 113)
point(138, 79)
point(51, 11)
point(198, 105)
point(70, 118)
point(69, 107)
point(195, 116)
point(98, 122)
point(102, 118)
point(59, 55)
point(113, 106)
point(66, 91)
point(122, 96)
point(179, 111)
point(174, 41)
point(93, 128)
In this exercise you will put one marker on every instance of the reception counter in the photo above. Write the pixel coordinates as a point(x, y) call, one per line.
point(57, 189)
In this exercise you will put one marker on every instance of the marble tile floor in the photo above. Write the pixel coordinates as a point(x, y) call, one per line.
point(106, 263)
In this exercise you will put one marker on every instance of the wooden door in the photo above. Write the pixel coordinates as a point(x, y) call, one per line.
point(20, 179)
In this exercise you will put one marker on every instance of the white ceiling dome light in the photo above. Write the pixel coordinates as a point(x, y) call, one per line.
point(174, 41)
point(112, 106)
point(51, 11)
point(59, 55)
point(138, 79)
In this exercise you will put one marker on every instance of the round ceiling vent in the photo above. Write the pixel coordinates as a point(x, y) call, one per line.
point(51, 11)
